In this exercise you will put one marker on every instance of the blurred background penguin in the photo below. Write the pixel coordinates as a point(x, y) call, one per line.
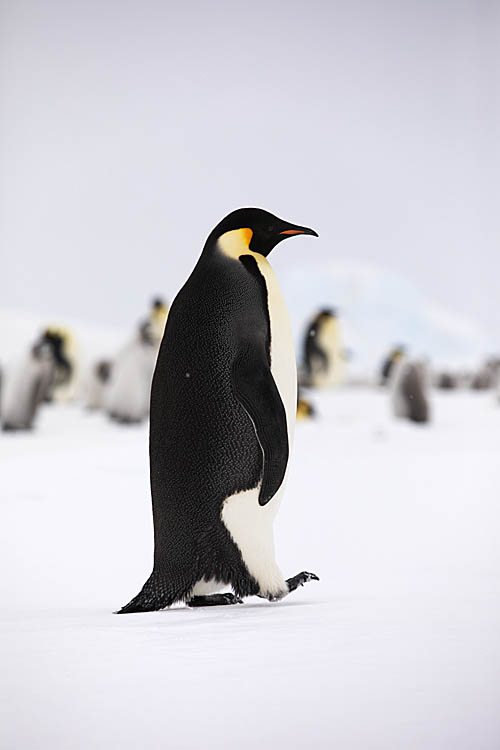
point(28, 383)
point(446, 381)
point(324, 362)
point(410, 390)
point(486, 376)
point(65, 382)
point(158, 318)
point(126, 399)
point(392, 358)
point(98, 379)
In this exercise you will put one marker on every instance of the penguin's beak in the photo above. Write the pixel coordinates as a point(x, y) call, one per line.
point(299, 230)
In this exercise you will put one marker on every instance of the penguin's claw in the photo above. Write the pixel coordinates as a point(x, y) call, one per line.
point(232, 599)
point(300, 579)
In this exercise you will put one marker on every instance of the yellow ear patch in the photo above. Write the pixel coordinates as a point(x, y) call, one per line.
point(246, 235)
point(236, 242)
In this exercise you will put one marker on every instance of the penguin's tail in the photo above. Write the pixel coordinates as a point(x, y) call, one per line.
point(156, 594)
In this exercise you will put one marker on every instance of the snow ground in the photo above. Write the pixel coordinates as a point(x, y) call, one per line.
point(396, 648)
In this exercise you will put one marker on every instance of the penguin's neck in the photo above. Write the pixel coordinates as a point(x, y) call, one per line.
point(236, 243)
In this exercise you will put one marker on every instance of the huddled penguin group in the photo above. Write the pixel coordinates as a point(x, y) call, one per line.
point(487, 376)
point(48, 372)
point(223, 407)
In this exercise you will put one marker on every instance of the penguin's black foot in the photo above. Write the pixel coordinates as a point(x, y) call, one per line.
point(300, 579)
point(214, 600)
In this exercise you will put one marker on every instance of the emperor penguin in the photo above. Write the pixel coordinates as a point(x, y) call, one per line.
point(410, 390)
point(222, 418)
point(486, 377)
point(446, 381)
point(98, 379)
point(324, 357)
point(62, 344)
point(126, 399)
point(392, 358)
point(27, 384)
point(158, 318)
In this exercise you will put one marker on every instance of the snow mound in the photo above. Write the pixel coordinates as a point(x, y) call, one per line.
point(380, 308)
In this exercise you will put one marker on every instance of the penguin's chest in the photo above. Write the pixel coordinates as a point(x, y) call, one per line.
point(250, 524)
point(283, 363)
point(329, 341)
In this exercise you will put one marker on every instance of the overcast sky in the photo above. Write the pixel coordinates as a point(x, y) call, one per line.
point(129, 129)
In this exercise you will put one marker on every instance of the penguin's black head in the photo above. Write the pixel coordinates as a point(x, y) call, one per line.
point(54, 341)
point(103, 370)
point(259, 230)
point(158, 303)
point(328, 312)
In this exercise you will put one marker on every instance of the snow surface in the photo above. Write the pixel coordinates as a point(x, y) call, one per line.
point(397, 647)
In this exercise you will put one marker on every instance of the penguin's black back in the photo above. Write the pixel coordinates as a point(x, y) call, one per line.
point(203, 446)
point(386, 369)
point(312, 348)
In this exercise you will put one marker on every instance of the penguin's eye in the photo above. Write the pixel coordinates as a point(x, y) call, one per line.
point(270, 229)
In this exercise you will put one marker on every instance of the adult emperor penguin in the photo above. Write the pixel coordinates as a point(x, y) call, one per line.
point(392, 358)
point(62, 345)
point(222, 417)
point(324, 357)
point(158, 318)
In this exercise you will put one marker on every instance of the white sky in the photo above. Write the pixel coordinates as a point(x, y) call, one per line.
point(129, 129)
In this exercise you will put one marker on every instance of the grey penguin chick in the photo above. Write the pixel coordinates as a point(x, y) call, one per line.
point(26, 386)
point(410, 390)
point(98, 379)
point(223, 406)
point(126, 399)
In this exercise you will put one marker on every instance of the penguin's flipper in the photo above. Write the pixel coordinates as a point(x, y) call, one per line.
point(254, 387)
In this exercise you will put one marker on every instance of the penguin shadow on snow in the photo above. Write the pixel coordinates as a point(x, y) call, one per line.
point(200, 617)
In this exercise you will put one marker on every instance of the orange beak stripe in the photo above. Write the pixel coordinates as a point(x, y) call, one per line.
point(292, 231)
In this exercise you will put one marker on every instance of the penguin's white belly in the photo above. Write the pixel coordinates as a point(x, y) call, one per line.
point(251, 525)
